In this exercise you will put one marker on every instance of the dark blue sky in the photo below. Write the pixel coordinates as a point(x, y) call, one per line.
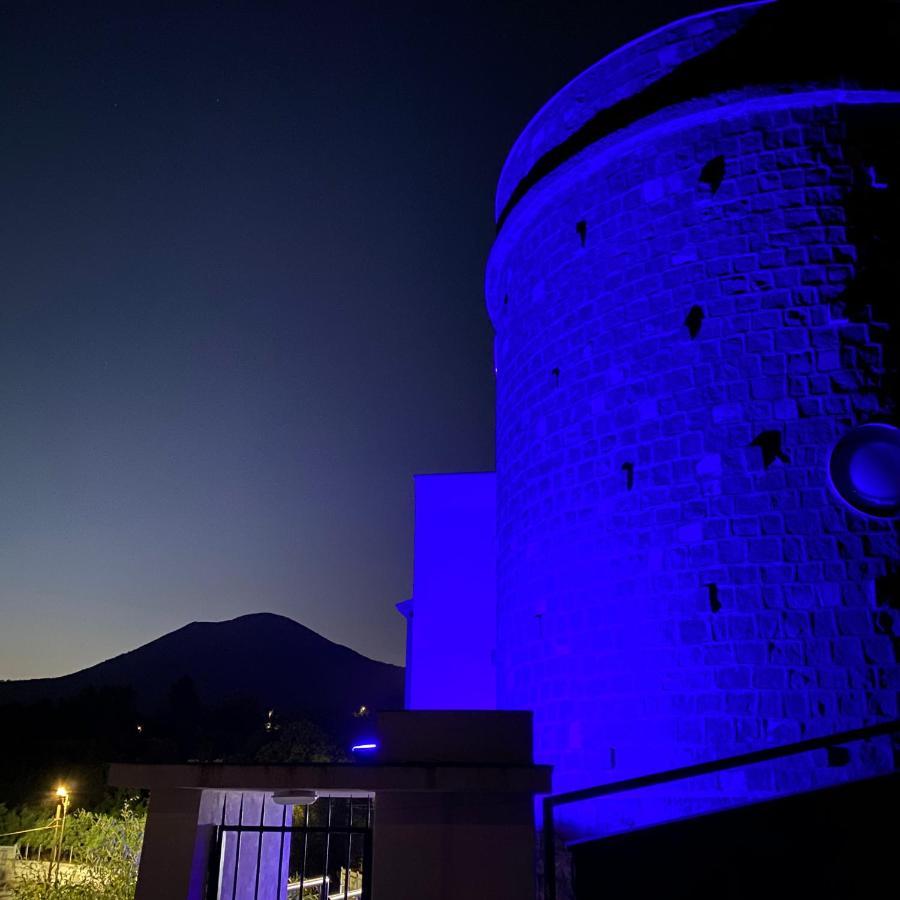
point(241, 257)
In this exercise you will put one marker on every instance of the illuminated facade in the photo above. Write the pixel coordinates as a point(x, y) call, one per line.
point(452, 618)
point(694, 288)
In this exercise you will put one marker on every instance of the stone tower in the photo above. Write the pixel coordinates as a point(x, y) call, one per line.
point(694, 288)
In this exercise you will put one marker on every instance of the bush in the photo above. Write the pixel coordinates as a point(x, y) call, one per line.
point(106, 852)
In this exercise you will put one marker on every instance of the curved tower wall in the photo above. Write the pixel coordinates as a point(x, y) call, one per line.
point(693, 294)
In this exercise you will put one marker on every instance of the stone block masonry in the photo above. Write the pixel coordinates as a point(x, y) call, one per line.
point(692, 308)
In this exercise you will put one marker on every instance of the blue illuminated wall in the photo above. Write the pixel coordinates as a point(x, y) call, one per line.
point(451, 618)
point(693, 289)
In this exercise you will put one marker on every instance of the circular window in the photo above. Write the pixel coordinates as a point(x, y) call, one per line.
point(865, 470)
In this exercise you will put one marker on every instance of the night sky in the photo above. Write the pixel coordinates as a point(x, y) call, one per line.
point(241, 258)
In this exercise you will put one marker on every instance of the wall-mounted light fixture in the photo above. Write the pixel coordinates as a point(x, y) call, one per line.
point(295, 798)
point(864, 470)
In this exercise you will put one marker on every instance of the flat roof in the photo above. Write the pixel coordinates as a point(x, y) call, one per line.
point(519, 779)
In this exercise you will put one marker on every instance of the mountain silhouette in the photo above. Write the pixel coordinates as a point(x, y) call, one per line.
point(265, 658)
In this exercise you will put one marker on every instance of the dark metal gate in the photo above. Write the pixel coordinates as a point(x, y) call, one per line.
point(321, 851)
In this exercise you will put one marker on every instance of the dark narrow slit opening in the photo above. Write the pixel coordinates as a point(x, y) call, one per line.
point(694, 320)
point(769, 443)
point(713, 173)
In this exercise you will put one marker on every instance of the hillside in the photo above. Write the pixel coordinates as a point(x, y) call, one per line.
point(202, 692)
point(265, 658)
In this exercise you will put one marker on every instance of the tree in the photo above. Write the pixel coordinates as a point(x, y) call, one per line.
point(300, 742)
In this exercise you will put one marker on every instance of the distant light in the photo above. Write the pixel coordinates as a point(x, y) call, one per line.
point(140, 729)
point(356, 747)
point(61, 792)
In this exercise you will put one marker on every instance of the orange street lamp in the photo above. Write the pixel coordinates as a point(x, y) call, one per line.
point(62, 808)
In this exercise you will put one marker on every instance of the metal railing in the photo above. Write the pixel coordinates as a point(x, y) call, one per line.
point(341, 861)
point(551, 801)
